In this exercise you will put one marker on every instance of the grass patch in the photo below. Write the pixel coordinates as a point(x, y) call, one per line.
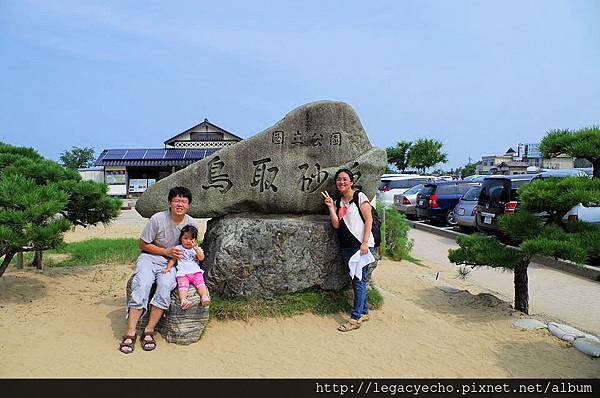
point(100, 251)
point(374, 299)
point(314, 301)
point(88, 252)
point(414, 260)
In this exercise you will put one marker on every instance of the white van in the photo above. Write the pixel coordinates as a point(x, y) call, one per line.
point(586, 212)
point(392, 185)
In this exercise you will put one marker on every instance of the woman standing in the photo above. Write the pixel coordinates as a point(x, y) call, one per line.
point(355, 236)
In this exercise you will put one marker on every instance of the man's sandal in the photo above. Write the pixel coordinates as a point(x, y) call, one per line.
point(352, 324)
point(363, 318)
point(148, 345)
point(131, 345)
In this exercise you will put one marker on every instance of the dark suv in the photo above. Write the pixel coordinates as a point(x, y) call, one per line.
point(437, 199)
point(498, 196)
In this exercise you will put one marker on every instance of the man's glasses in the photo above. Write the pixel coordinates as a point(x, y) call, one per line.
point(181, 201)
point(342, 180)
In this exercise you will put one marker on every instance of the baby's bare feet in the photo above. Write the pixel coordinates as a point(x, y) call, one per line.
point(185, 304)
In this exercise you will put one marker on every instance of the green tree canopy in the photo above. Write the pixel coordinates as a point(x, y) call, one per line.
point(425, 153)
point(584, 143)
point(556, 196)
point(398, 155)
point(40, 200)
point(77, 158)
point(468, 169)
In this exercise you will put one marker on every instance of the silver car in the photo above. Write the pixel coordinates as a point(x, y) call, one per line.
point(406, 202)
point(466, 209)
point(395, 185)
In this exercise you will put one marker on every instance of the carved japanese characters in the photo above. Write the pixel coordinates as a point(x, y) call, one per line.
point(280, 170)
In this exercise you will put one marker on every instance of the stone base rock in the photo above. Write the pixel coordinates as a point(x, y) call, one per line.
point(252, 255)
point(177, 326)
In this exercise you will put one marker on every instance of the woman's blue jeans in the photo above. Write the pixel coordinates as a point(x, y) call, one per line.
point(360, 306)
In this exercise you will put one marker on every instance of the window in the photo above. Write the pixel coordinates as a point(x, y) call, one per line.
point(395, 184)
point(494, 191)
point(446, 189)
point(421, 181)
point(462, 188)
point(428, 190)
point(472, 193)
point(115, 177)
point(206, 136)
point(413, 190)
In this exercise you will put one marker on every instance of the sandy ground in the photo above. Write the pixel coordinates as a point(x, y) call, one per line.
point(67, 323)
point(553, 294)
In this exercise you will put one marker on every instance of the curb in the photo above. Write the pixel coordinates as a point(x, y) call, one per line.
point(586, 271)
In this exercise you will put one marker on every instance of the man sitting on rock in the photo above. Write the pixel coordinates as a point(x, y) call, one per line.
point(158, 243)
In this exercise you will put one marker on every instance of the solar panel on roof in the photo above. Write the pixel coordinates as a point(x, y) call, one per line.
point(210, 152)
point(155, 154)
point(135, 154)
point(174, 154)
point(115, 154)
point(195, 154)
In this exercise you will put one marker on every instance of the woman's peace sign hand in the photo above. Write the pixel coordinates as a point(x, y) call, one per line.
point(327, 199)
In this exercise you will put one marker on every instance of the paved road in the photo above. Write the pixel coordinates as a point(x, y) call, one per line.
point(552, 293)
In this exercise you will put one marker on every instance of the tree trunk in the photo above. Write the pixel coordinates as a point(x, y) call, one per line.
point(521, 289)
point(37, 259)
point(596, 168)
point(20, 260)
point(7, 258)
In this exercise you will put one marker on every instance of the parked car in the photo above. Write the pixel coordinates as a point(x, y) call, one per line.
point(562, 173)
point(391, 186)
point(475, 177)
point(405, 202)
point(436, 200)
point(498, 196)
point(588, 212)
point(466, 209)
point(384, 176)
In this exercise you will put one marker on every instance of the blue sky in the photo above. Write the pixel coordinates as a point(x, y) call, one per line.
point(479, 76)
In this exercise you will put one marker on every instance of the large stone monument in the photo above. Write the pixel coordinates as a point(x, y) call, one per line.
point(270, 233)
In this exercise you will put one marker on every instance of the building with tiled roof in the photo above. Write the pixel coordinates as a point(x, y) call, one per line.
point(130, 171)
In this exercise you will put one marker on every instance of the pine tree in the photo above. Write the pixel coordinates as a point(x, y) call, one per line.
point(40, 200)
point(537, 229)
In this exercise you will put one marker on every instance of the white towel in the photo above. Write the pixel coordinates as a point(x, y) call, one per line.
point(357, 262)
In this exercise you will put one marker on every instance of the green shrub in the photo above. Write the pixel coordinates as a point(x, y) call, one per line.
point(394, 238)
point(555, 196)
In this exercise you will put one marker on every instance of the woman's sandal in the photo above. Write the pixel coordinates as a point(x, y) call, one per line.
point(129, 345)
point(148, 345)
point(352, 324)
